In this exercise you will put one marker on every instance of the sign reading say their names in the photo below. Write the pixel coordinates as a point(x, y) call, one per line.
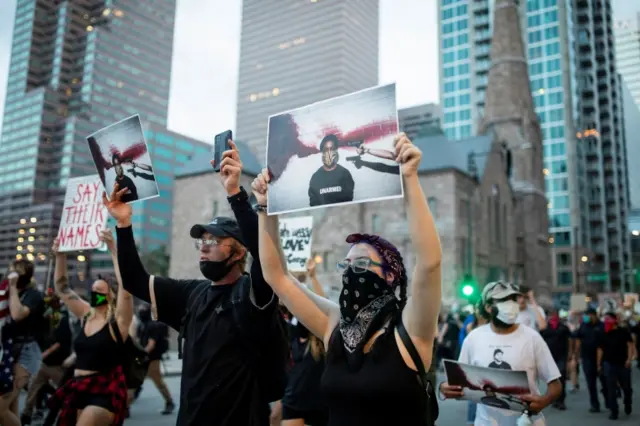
point(83, 215)
point(295, 237)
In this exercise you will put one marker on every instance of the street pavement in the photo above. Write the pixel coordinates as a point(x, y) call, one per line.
point(146, 410)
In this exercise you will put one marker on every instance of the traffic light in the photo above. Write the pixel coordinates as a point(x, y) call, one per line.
point(469, 288)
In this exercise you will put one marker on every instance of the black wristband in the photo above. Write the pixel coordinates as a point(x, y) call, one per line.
point(260, 208)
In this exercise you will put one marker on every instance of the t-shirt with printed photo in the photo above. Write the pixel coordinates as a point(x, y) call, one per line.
point(522, 350)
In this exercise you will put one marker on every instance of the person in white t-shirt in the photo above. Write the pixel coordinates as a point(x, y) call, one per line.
point(531, 314)
point(504, 343)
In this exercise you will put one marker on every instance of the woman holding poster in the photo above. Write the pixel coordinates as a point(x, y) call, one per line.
point(377, 340)
point(97, 394)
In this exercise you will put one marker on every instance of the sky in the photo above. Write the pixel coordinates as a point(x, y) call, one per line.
point(207, 48)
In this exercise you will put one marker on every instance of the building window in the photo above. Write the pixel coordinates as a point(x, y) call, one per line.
point(325, 262)
point(215, 208)
point(565, 278)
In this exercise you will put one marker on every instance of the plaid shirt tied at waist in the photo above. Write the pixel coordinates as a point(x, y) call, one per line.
point(112, 384)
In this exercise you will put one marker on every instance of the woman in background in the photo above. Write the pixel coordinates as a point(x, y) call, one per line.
point(302, 404)
point(97, 394)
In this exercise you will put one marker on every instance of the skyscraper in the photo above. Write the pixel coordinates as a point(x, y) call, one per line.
point(294, 53)
point(420, 120)
point(75, 67)
point(567, 51)
point(627, 42)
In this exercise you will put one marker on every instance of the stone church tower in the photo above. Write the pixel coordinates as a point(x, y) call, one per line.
point(510, 116)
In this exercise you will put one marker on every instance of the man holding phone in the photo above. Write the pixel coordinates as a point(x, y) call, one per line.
point(229, 320)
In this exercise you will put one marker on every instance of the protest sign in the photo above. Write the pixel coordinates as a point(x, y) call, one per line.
point(578, 302)
point(493, 386)
point(83, 215)
point(335, 152)
point(121, 156)
point(295, 238)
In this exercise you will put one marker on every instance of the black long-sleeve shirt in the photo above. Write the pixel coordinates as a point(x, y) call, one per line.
point(218, 387)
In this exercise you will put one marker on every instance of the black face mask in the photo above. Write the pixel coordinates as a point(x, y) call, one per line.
point(144, 315)
point(358, 291)
point(98, 299)
point(216, 270)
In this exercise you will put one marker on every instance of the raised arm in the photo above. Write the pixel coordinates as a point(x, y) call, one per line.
point(78, 307)
point(230, 172)
point(315, 284)
point(124, 302)
point(315, 312)
point(421, 312)
point(144, 167)
point(170, 295)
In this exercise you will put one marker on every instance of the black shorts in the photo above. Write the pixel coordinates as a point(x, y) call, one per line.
point(310, 417)
point(102, 401)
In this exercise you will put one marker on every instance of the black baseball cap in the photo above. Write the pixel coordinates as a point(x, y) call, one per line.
point(221, 226)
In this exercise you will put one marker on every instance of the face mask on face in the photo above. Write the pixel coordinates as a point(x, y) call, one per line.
point(216, 270)
point(507, 313)
point(98, 299)
point(358, 291)
point(330, 158)
point(586, 319)
point(609, 324)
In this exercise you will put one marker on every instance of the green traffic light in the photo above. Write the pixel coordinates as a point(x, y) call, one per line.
point(467, 290)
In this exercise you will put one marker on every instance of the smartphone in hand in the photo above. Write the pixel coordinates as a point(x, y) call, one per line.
point(221, 144)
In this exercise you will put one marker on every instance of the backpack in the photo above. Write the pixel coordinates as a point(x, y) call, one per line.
point(427, 380)
point(267, 349)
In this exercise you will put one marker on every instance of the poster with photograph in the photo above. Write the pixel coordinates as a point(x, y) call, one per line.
point(84, 215)
point(121, 156)
point(495, 387)
point(295, 238)
point(334, 152)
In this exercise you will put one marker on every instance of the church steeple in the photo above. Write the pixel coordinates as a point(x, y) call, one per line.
point(510, 116)
point(508, 100)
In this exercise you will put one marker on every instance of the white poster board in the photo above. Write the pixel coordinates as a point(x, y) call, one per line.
point(578, 302)
point(83, 215)
point(295, 238)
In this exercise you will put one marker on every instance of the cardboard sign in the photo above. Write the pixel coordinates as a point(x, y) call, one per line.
point(295, 237)
point(578, 302)
point(83, 215)
point(630, 299)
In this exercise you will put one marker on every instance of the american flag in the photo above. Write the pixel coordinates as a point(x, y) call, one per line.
point(4, 302)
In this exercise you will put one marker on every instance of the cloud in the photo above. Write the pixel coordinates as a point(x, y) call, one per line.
point(205, 64)
point(409, 49)
point(206, 53)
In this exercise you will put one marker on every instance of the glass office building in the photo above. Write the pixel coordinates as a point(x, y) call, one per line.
point(587, 227)
point(294, 53)
point(75, 67)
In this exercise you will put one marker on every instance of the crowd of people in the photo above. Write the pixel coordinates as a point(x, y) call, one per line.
point(73, 355)
point(601, 343)
point(259, 346)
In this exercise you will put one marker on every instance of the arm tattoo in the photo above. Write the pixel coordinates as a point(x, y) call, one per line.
point(62, 285)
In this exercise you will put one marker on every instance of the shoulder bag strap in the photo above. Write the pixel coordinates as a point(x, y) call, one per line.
point(413, 353)
point(152, 298)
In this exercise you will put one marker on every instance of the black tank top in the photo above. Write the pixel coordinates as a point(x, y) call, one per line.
point(98, 352)
point(303, 384)
point(384, 391)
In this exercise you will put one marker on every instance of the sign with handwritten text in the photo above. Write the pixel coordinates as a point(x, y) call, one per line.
point(83, 215)
point(295, 237)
